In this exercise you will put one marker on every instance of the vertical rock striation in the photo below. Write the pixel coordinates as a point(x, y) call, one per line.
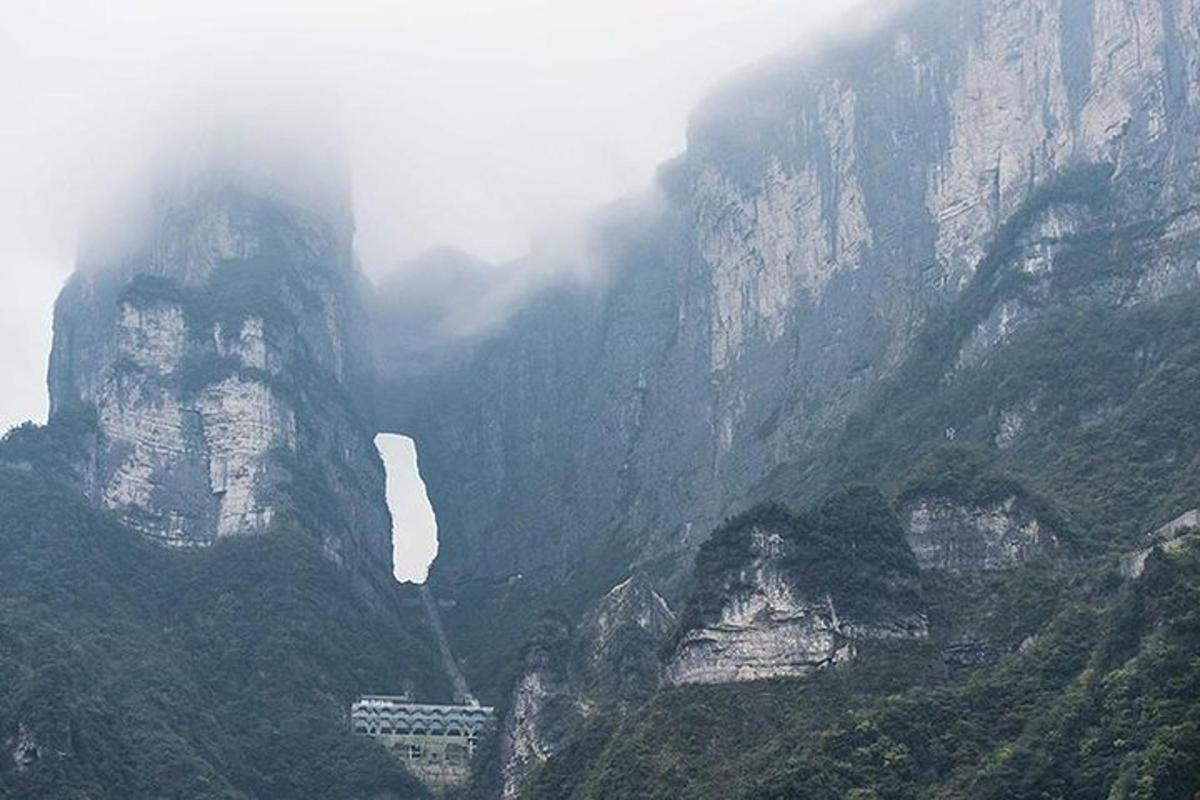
point(222, 357)
point(779, 595)
point(828, 203)
point(948, 535)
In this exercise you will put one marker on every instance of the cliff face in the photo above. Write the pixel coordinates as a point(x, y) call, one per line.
point(779, 595)
point(543, 708)
point(827, 205)
point(770, 628)
point(567, 677)
point(947, 535)
point(622, 633)
point(222, 358)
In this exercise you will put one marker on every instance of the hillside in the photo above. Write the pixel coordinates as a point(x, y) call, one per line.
point(127, 670)
point(1101, 702)
point(865, 465)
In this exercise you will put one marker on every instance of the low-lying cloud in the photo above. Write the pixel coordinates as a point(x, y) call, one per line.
point(467, 123)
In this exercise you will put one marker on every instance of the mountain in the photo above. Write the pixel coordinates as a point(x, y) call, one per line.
point(954, 260)
point(196, 551)
point(966, 173)
point(1099, 702)
point(130, 670)
point(866, 465)
point(224, 360)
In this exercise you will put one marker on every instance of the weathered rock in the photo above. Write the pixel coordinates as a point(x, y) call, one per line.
point(223, 357)
point(1167, 538)
point(949, 535)
point(765, 631)
point(523, 745)
point(1187, 521)
point(23, 749)
point(631, 603)
point(771, 626)
point(826, 202)
point(543, 707)
point(971, 653)
point(622, 639)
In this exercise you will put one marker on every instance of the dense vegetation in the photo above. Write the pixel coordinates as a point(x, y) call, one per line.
point(491, 627)
point(1104, 702)
point(1103, 396)
point(1098, 396)
point(129, 671)
point(850, 548)
point(1102, 698)
point(1059, 679)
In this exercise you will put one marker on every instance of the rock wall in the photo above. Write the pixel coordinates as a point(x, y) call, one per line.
point(621, 642)
point(606, 664)
point(1167, 538)
point(827, 201)
point(543, 709)
point(223, 359)
point(948, 535)
point(770, 627)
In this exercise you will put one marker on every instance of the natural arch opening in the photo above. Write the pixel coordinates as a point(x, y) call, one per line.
point(414, 526)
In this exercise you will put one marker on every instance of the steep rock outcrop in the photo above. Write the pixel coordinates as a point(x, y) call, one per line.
point(223, 357)
point(779, 595)
point(1167, 538)
point(827, 202)
point(948, 535)
point(543, 707)
point(764, 630)
point(622, 638)
point(963, 514)
point(603, 666)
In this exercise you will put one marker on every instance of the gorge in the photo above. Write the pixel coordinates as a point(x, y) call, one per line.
point(846, 453)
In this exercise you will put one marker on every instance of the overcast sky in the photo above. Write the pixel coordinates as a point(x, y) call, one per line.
point(479, 124)
point(473, 123)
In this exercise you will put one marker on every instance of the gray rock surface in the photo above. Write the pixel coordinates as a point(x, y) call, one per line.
point(772, 628)
point(543, 709)
point(1167, 538)
point(826, 202)
point(632, 604)
point(948, 535)
point(223, 357)
point(23, 750)
point(608, 660)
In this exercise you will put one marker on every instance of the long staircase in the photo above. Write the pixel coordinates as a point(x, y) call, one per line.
point(462, 692)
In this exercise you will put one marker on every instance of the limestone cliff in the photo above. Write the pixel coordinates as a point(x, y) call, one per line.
point(829, 204)
point(944, 534)
point(223, 358)
point(622, 637)
point(543, 709)
point(766, 630)
point(1167, 538)
point(778, 595)
point(567, 676)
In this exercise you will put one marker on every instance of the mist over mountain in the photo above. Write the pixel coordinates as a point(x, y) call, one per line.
point(853, 454)
point(469, 124)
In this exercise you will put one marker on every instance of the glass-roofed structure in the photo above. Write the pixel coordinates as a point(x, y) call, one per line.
point(435, 741)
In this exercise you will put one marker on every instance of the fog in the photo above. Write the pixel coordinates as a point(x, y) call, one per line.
point(485, 126)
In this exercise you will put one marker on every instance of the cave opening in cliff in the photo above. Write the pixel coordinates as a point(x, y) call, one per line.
point(414, 526)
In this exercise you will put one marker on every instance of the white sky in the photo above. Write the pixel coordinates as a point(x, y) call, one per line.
point(414, 541)
point(471, 123)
